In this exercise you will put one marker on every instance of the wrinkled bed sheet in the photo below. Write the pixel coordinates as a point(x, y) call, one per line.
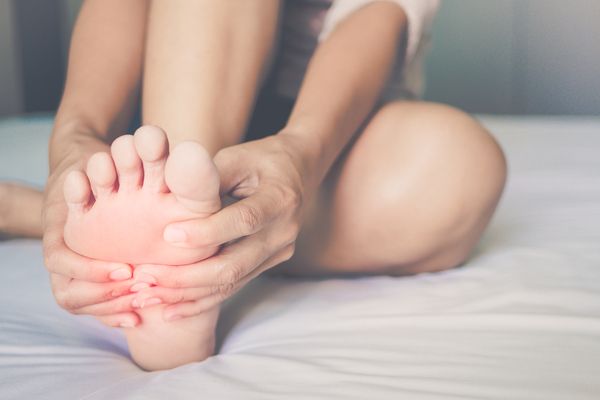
point(521, 320)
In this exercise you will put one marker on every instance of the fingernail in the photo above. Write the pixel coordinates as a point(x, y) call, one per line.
point(151, 302)
point(120, 274)
point(142, 277)
point(173, 317)
point(139, 286)
point(126, 324)
point(135, 303)
point(174, 235)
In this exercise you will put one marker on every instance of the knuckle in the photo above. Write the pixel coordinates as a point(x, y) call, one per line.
point(225, 291)
point(288, 197)
point(230, 274)
point(228, 281)
point(292, 199)
point(65, 300)
point(250, 218)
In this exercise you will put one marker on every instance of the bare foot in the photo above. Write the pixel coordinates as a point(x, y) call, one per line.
point(20, 211)
point(118, 210)
point(121, 217)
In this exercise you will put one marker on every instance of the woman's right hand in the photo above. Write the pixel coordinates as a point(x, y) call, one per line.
point(82, 285)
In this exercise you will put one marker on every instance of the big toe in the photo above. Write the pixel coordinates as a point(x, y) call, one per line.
point(192, 177)
point(153, 147)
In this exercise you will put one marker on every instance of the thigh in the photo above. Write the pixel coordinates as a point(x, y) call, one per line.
point(413, 193)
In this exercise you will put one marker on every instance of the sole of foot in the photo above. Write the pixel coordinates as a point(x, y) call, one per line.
point(119, 207)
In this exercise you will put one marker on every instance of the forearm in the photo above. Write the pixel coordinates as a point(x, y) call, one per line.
point(204, 64)
point(344, 80)
point(104, 72)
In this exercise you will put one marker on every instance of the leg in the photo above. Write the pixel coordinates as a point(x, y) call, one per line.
point(20, 210)
point(118, 210)
point(413, 194)
point(204, 63)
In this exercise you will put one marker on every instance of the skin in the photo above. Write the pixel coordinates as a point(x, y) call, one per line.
point(20, 210)
point(422, 179)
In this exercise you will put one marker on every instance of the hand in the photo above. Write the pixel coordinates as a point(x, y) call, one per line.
point(259, 231)
point(82, 285)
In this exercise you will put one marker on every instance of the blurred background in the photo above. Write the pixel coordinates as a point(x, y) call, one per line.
point(488, 56)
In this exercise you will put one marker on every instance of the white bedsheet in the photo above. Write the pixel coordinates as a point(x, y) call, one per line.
point(520, 321)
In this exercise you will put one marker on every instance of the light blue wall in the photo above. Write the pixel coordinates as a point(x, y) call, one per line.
point(517, 56)
point(492, 56)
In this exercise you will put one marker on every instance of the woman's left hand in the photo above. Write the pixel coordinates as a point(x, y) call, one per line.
point(270, 176)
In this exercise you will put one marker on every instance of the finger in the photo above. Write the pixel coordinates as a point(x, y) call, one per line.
point(237, 220)
point(230, 265)
point(231, 169)
point(76, 294)
point(121, 320)
point(116, 306)
point(169, 295)
point(59, 259)
point(190, 308)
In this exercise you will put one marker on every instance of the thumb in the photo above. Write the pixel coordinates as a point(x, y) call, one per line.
point(232, 168)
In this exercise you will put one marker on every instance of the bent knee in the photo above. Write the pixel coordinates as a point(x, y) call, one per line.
point(440, 130)
point(435, 259)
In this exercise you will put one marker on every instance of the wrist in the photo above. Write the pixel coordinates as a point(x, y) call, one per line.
point(308, 150)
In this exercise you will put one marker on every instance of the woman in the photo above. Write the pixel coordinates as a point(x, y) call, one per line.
point(344, 171)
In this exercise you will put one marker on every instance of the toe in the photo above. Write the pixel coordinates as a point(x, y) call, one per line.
point(77, 191)
point(192, 177)
point(152, 146)
point(127, 163)
point(101, 173)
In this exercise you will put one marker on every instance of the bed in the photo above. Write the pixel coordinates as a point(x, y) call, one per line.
point(521, 320)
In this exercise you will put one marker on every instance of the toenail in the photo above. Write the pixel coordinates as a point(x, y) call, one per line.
point(139, 286)
point(151, 302)
point(120, 274)
point(146, 278)
point(174, 235)
point(126, 324)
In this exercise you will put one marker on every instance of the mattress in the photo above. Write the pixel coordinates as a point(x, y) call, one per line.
point(520, 320)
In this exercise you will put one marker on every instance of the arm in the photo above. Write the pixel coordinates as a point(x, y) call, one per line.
point(275, 176)
point(344, 80)
point(104, 70)
point(102, 83)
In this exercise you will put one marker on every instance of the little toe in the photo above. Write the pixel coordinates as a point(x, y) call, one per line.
point(101, 173)
point(153, 147)
point(127, 163)
point(77, 191)
point(192, 177)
